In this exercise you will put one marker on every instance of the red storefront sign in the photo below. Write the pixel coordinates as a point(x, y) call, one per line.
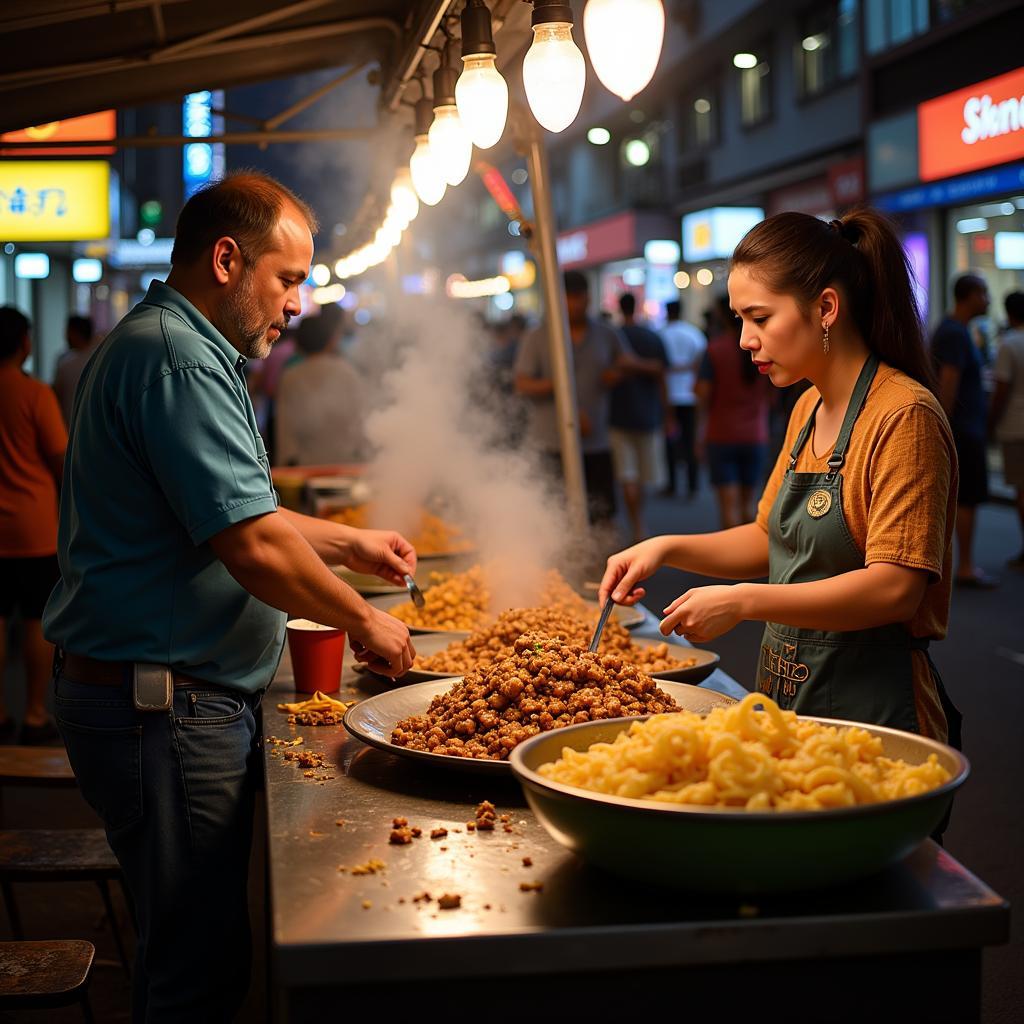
point(614, 238)
point(972, 128)
point(100, 127)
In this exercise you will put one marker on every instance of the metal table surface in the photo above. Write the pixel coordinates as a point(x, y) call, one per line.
point(335, 932)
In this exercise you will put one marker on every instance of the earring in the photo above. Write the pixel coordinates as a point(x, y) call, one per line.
point(825, 340)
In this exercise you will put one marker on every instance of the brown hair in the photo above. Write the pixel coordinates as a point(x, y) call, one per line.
point(799, 255)
point(245, 206)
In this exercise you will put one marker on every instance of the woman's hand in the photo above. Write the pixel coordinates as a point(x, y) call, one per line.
point(628, 568)
point(383, 553)
point(703, 613)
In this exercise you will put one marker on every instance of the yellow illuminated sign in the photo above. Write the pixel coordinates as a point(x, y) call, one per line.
point(54, 201)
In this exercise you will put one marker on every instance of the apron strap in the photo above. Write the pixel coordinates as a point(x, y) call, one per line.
point(802, 437)
point(857, 399)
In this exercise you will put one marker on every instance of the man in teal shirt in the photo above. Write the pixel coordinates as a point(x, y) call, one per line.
point(174, 553)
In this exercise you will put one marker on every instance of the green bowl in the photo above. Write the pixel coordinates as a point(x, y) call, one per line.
point(724, 850)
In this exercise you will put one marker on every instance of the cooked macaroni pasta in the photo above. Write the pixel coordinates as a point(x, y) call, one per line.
point(747, 758)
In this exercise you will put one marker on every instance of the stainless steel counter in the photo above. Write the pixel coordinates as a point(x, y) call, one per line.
point(358, 938)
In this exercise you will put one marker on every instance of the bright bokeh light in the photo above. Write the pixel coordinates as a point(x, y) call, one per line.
point(321, 274)
point(481, 95)
point(599, 136)
point(624, 39)
point(450, 144)
point(554, 74)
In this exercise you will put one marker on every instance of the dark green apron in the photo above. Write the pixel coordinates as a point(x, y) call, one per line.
point(865, 675)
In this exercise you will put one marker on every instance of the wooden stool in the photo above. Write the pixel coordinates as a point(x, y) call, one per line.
point(46, 975)
point(59, 855)
point(34, 766)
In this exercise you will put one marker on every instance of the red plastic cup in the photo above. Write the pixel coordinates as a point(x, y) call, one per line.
point(317, 655)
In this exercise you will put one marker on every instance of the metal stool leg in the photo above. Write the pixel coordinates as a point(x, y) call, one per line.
point(86, 1008)
point(12, 911)
point(108, 903)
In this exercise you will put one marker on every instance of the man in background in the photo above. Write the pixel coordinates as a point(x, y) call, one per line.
point(685, 346)
point(32, 442)
point(639, 417)
point(962, 395)
point(598, 350)
point(70, 365)
point(320, 407)
point(1007, 418)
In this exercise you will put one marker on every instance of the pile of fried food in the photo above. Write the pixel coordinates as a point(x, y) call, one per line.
point(452, 602)
point(487, 645)
point(433, 535)
point(320, 709)
point(543, 683)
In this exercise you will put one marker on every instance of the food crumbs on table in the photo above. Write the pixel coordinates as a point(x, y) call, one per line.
point(531, 886)
point(748, 910)
point(527, 862)
point(443, 849)
point(449, 901)
point(438, 833)
point(487, 906)
point(401, 899)
point(399, 822)
point(508, 828)
point(416, 832)
point(457, 830)
point(505, 818)
point(314, 833)
point(423, 897)
point(340, 822)
point(470, 826)
point(367, 904)
point(370, 867)
point(400, 836)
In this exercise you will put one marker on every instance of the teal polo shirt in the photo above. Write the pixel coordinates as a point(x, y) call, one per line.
point(163, 453)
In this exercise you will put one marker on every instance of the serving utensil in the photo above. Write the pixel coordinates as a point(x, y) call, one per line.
point(414, 592)
point(605, 612)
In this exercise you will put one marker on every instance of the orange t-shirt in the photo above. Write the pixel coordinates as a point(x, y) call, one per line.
point(899, 500)
point(31, 433)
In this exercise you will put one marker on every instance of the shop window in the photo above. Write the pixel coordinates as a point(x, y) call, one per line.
point(891, 22)
point(827, 51)
point(756, 90)
point(700, 118)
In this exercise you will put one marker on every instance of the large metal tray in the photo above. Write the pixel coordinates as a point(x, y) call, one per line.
point(706, 661)
point(372, 720)
point(629, 617)
point(724, 850)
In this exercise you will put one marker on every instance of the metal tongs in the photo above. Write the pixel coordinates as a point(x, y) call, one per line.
point(414, 592)
point(605, 612)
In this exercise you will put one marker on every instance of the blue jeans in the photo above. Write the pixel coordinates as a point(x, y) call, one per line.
point(175, 791)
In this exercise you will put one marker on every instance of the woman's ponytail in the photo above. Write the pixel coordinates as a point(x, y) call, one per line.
point(800, 255)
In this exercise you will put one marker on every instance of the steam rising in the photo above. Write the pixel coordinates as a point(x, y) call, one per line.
point(441, 430)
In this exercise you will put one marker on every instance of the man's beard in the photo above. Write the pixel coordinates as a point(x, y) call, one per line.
point(245, 322)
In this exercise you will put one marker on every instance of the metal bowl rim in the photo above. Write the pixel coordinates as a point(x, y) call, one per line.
point(529, 777)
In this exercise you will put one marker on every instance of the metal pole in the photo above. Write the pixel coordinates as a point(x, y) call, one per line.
point(556, 317)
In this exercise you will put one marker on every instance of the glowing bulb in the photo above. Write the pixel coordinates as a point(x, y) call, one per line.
point(450, 144)
point(482, 98)
point(403, 196)
point(681, 280)
point(744, 61)
point(624, 40)
point(554, 74)
point(321, 274)
point(427, 179)
point(705, 276)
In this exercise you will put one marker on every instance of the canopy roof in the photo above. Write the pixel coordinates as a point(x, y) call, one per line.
point(70, 57)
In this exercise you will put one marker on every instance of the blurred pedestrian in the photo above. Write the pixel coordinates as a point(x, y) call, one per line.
point(638, 416)
point(320, 407)
point(598, 350)
point(1007, 416)
point(79, 335)
point(962, 395)
point(685, 345)
point(733, 431)
point(32, 443)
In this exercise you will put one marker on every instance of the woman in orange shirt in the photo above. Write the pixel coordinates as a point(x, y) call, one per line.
point(854, 528)
point(32, 442)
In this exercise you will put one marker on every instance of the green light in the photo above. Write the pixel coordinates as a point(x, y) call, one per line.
point(151, 213)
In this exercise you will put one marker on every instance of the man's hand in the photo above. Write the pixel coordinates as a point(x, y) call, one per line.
point(703, 613)
point(383, 553)
point(383, 644)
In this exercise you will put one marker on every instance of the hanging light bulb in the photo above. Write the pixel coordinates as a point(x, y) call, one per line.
point(403, 196)
point(449, 141)
point(480, 93)
point(554, 72)
point(624, 40)
point(427, 179)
